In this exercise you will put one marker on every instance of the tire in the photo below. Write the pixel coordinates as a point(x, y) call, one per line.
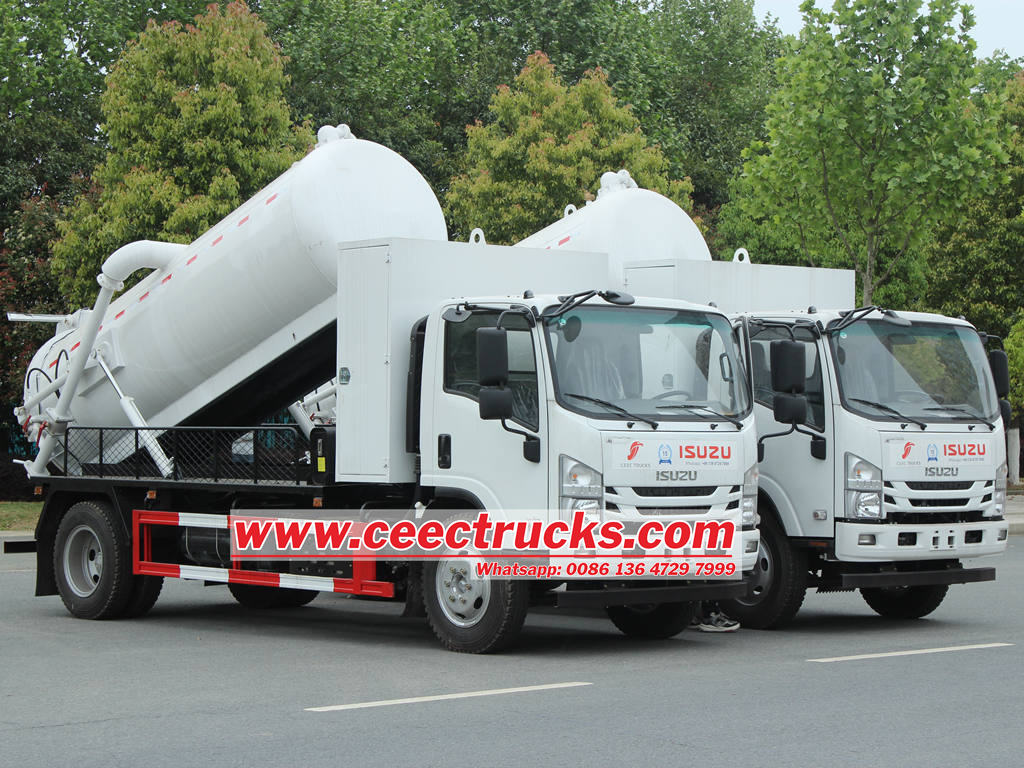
point(91, 561)
point(472, 615)
point(652, 622)
point(414, 606)
point(905, 602)
point(259, 598)
point(779, 582)
point(145, 591)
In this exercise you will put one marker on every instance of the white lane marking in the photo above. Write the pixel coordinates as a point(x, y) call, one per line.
point(445, 697)
point(946, 649)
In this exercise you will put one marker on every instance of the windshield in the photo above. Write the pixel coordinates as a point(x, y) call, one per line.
point(927, 372)
point(662, 364)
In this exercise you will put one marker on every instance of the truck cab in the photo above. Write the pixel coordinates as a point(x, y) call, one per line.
point(650, 399)
point(896, 474)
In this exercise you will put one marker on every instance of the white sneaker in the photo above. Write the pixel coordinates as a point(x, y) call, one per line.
point(717, 622)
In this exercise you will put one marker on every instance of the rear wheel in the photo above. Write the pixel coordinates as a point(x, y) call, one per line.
point(259, 598)
point(91, 561)
point(471, 614)
point(779, 582)
point(658, 621)
point(905, 602)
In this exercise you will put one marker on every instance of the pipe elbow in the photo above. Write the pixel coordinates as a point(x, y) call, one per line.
point(142, 254)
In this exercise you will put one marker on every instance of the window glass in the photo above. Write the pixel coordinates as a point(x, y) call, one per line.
point(761, 356)
point(460, 366)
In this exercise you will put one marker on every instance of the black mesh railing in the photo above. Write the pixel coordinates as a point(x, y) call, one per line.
point(269, 454)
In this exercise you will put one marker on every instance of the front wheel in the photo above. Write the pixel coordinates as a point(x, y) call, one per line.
point(653, 622)
point(471, 614)
point(779, 582)
point(905, 602)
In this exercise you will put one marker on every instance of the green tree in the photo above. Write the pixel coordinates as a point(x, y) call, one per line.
point(386, 69)
point(26, 285)
point(976, 264)
point(196, 121)
point(1015, 351)
point(53, 55)
point(547, 145)
point(711, 76)
point(873, 138)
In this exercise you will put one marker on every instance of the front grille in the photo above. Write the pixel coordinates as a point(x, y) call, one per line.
point(936, 518)
point(939, 485)
point(664, 511)
point(674, 490)
point(938, 502)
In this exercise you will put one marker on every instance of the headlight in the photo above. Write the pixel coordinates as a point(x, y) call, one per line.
point(863, 489)
point(998, 508)
point(748, 508)
point(582, 487)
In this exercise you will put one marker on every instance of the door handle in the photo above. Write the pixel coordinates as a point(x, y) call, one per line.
point(444, 451)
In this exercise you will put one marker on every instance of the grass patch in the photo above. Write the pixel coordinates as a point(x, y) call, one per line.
point(19, 515)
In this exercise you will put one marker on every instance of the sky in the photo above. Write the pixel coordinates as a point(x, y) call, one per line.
point(997, 23)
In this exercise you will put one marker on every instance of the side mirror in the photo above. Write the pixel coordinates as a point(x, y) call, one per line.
point(491, 358)
point(1000, 365)
point(1006, 412)
point(790, 409)
point(788, 362)
point(495, 403)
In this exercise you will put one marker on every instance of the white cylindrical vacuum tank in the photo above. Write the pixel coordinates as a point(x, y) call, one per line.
point(248, 292)
point(628, 224)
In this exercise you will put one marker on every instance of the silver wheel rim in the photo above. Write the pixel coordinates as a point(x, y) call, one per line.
point(83, 561)
point(462, 595)
point(761, 577)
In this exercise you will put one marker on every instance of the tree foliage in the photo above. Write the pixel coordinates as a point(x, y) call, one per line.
point(873, 136)
point(386, 69)
point(196, 121)
point(711, 75)
point(547, 145)
point(975, 264)
point(53, 55)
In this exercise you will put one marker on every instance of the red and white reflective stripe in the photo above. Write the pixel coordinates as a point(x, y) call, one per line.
point(197, 520)
point(362, 583)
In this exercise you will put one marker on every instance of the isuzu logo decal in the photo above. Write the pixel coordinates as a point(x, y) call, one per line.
point(941, 471)
point(705, 451)
point(963, 449)
point(668, 475)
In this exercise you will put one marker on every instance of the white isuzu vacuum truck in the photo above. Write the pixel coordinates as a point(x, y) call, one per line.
point(468, 377)
point(884, 457)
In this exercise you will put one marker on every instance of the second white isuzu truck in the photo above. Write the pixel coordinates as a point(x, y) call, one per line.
point(884, 466)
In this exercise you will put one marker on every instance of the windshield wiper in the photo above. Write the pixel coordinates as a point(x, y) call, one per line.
point(968, 415)
point(888, 409)
point(694, 406)
point(613, 407)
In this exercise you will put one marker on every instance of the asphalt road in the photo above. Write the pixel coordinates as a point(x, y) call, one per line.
point(202, 681)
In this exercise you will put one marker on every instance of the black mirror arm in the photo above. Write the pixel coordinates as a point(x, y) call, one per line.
point(531, 444)
point(792, 428)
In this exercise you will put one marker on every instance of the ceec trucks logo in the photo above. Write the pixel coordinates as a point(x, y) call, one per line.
point(634, 449)
point(906, 450)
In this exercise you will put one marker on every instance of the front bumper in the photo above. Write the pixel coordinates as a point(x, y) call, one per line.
point(917, 578)
point(921, 541)
point(684, 592)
